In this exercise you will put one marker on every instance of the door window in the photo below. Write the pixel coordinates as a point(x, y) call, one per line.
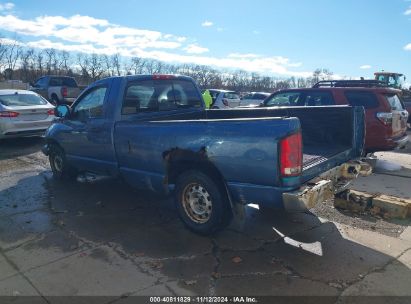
point(90, 105)
point(361, 98)
point(313, 99)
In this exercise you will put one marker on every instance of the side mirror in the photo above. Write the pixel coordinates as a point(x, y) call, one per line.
point(62, 111)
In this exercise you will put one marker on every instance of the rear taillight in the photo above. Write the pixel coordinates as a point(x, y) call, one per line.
point(225, 102)
point(385, 118)
point(50, 112)
point(9, 114)
point(291, 155)
point(64, 91)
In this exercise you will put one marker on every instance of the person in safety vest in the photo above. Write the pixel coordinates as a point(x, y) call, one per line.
point(208, 100)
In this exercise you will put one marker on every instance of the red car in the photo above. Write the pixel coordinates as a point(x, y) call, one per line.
point(386, 117)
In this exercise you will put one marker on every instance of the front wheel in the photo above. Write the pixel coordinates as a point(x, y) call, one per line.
point(58, 163)
point(202, 205)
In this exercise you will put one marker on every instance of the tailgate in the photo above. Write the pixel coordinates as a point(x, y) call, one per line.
point(72, 92)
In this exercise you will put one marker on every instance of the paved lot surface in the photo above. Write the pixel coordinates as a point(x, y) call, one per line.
point(107, 239)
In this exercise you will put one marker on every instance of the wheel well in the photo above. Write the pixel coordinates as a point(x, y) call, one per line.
point(176, 168)
point(182, 160)
point(54, 95)
point(53, 142)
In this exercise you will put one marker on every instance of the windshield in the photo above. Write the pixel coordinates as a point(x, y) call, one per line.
point(22, 100)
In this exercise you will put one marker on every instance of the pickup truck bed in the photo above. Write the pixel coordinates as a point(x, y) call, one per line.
point(329, 133)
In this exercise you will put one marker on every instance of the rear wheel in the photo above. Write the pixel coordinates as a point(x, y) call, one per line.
point(202, 205)
point(58, 163)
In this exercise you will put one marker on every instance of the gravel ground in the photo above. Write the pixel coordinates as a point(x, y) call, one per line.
point(393, 227)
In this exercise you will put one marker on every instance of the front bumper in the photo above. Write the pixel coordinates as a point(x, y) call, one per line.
point(325, 186)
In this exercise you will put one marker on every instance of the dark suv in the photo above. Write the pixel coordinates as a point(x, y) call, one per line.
point(386, 117)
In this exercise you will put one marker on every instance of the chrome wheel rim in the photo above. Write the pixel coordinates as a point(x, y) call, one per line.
point(58, 163)
point(197, 203)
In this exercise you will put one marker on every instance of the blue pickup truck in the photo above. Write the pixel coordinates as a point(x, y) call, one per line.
point(154, 132)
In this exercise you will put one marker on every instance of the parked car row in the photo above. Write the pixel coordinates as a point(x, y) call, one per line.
point(57, 89)
point(30, 112)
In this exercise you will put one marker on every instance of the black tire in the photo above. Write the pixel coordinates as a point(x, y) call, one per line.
point(54, 100)
point(58, 163)
point(196, 186)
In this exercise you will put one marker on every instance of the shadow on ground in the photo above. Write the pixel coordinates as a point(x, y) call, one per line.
point(13, 147)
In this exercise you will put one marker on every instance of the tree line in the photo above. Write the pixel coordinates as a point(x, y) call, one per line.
point(28, 64)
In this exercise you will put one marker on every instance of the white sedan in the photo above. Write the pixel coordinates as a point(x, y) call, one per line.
point(24, 113)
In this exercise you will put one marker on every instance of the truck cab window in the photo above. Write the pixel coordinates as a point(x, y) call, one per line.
point(313, 99)
point(159, 95)
point(90, 105)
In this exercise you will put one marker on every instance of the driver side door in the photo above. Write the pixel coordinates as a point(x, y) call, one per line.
point(89, 144)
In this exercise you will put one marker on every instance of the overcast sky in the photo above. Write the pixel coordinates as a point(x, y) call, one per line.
point(283, 38)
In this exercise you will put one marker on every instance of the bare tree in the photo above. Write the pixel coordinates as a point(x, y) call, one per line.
point(137, 64)
point(50, 59)
point(115, 62)
point(12, 54)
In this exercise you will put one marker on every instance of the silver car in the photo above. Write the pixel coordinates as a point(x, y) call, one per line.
point(254, 99)
point(24, 113)
point(223, 99)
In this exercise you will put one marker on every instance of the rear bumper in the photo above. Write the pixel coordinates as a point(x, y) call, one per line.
point(402, 142)
point(307, 196)
point(389, 144)
point(11, 129)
